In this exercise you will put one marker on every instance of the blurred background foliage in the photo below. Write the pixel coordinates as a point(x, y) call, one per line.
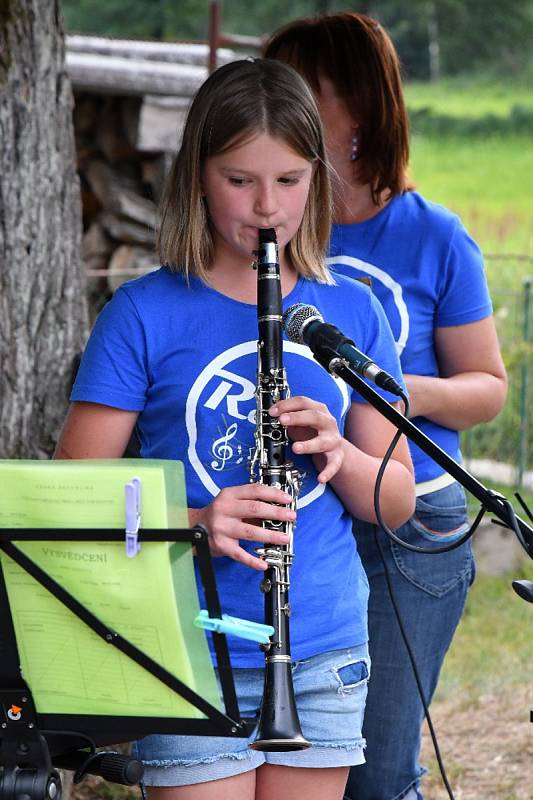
point(434, 37)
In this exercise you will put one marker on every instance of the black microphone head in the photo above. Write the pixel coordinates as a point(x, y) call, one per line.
point(296, 318)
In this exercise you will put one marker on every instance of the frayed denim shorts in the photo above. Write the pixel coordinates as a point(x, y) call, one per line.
point(330, 691)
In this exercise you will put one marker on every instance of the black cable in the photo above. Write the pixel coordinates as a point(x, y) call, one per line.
point(524, 506)
point(414, 548)
point(84, 768)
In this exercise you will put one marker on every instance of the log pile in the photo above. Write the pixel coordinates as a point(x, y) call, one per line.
point(131, 99)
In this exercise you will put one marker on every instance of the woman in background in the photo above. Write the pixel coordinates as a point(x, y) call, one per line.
point(428, 274)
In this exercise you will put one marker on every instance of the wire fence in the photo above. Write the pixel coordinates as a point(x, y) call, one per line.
point(503, 448)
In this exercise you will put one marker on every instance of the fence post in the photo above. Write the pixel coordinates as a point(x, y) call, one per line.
point(523, 446)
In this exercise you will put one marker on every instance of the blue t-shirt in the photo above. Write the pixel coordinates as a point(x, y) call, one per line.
point(428, 273)
point(185, 358)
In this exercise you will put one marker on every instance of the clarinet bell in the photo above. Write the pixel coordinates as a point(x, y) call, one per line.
point(279, 727)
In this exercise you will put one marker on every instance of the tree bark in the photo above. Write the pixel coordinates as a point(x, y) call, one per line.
point(43, 310)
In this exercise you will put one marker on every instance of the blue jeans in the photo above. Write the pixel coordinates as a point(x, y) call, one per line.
point(430, 591)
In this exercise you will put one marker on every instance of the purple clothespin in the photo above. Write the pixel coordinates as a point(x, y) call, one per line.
point(132, 504)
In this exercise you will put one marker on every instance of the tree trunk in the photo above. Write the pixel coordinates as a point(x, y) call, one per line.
point(43, 314)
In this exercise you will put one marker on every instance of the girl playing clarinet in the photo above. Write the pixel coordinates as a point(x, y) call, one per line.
point(174, 354)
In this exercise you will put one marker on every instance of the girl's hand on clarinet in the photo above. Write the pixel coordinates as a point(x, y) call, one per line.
point(314, 432)
point(235, 514)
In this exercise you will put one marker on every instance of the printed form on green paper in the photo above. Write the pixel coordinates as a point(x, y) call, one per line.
point(150, 599)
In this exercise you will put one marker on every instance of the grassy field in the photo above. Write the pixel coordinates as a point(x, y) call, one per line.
point(485, 175)
point(468, 96)
point(486, 181)
point(493, 646)
point(481, 709)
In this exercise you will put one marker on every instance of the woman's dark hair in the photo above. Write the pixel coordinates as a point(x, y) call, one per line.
point(356, 54)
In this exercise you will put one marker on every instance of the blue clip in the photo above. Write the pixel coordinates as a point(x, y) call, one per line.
point(235, 627)
point(132, 504)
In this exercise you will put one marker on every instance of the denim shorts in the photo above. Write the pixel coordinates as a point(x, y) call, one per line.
point(330, 691)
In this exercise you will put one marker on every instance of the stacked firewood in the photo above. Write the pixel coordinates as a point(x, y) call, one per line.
point(131, 99)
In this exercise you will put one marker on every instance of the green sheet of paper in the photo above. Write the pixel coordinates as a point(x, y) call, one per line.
point(150, 599)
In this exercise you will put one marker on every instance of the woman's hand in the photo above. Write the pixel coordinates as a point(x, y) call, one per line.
point(234, 514)
point(314, 432)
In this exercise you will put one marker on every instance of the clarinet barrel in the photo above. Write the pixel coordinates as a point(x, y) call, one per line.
point(279, 726)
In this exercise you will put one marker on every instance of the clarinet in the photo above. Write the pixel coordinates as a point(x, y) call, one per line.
point(279, 726)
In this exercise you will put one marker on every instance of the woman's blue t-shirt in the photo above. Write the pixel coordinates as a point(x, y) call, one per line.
point(427, 273)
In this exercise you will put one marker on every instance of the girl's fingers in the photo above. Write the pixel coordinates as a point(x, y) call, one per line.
point(234, 551)
point(255, 509)
point(333, 465)
point(311, 424)
point(318, 444)
point(222, 545)
point(255, 492)
point(233, 516)
point(256, 534)
point(314, 432)
point(248, 559)
point(296, 403)
point(308, 418)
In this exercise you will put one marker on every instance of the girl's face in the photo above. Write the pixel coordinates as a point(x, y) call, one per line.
point(262, 183)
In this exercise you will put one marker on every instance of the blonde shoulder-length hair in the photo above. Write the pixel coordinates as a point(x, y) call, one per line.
point(237, 102)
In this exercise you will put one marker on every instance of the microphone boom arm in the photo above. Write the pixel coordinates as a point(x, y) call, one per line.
point(490, 500)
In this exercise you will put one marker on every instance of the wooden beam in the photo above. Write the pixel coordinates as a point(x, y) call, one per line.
point(130, 76)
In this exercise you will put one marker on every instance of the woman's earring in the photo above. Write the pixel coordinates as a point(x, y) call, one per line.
point(354, 155)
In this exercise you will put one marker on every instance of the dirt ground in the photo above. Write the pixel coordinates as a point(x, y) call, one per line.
point(486, 746)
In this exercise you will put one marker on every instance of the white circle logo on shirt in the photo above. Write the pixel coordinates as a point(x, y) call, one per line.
point(393, 286)
point(236, 396)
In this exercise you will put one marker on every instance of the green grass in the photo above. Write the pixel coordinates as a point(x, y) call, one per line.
point(486, 181)
point(485, 177)
point(470, 96)
point(484, 174)
point(493, 645)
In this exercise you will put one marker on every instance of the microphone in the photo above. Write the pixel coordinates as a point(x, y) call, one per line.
point(305, 325)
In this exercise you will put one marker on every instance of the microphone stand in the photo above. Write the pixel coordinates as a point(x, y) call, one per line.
point(491, 501)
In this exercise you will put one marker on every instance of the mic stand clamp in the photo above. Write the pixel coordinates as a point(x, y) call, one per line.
point(27, 767)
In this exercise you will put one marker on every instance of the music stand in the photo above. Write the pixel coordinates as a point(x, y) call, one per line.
point(32, 742)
